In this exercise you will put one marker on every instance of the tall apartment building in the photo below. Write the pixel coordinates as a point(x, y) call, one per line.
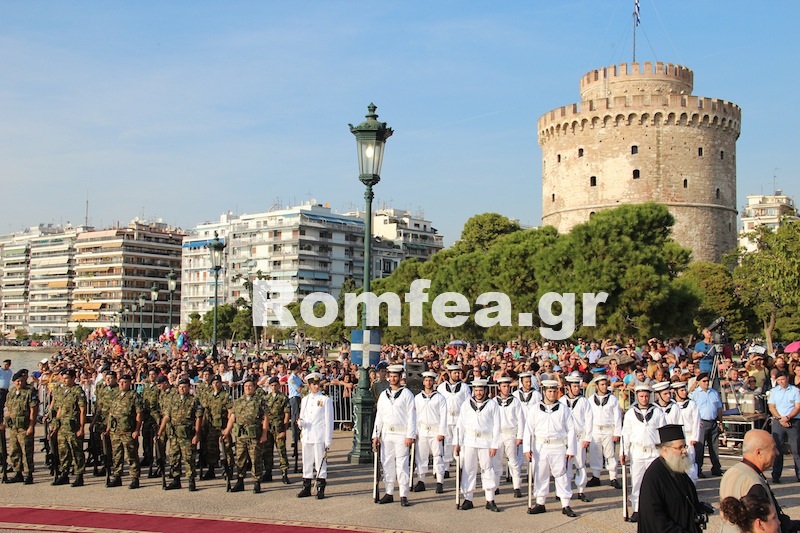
point(51, 280)
point(764, 210)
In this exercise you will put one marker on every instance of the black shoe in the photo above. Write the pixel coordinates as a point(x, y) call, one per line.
point(78, 481)
point(192, 485)
point(774, 481)
point(97, 473)
point(146, 462)
point(29, 479)
point(321, 483)
point(404, 502)
point(717, 473)
point(439, 488)
point(594, 482)
point(614, 483)
point(447, 474)
point(419, 487)
point(174, 484)
point(134, 483)
point(509, 479)
point(266, 477)
point(582, 497)
point(701, 475)
point(517, 493)
point(62, 479)
point(466, 505)
point(285, 478)
point(306, 492)
point(537, 509)
point(634, 517)
point(239, 486)
point(155, 474)
point(568, 511)
point(115, 481)
point(209, 475)
point(257, 487)
point(492, 507)
point(496, 492)
point(387, 498)
point(18, 478)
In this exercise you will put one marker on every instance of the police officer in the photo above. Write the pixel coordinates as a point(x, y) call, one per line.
point(124, 423)
point(512, 429)
point(279, 415)
point(250, 423)
point(582, 419)
point(184, 414)
point(396, 428)
point(431, 410)
point(639, 440)
point(315, 421)
point(70, 408)
point(549, 443)
point(21, 408)
point(476, 438)
point(606, 431)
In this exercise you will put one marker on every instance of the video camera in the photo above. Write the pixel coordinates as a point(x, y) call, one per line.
point(719, 335)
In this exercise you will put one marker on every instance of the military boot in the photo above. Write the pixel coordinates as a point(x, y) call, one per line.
point(192, 485)
point(257, 487)
point(17, 478)
point(174, 484)
point(321, 488)
point(285, 477)
point(306, 492)
point(116, 481)
point(266, 477)
point(208, 475)
point(78, 481)
point(62, 479)
point(29, 479)
point(134, 483)
point(239, 486)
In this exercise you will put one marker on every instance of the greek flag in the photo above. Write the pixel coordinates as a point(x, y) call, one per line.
point(365, 343)
point(636, 16)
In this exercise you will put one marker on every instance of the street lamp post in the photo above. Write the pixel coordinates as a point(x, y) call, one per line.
point(134, 307)
point(142, 300)
point(371, 137)
point(172, 285)
point(124, 325)
point(153, 299)
point(216, 249)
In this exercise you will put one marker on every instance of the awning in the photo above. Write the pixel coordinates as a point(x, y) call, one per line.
point(50, 270)
point(87, 305)
point(85, 316)
point(57, 284)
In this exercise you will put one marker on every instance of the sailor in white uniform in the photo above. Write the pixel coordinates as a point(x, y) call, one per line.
point(663, 396)
point(512, 429)
point(607, 420)
point(316, 433)
point(431, 430)
point(582, 418)
point(690, 419)
point(456, 392)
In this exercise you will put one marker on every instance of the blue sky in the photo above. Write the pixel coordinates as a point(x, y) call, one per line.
point(184, 110)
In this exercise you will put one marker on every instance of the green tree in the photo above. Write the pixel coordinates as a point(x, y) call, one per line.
point(768, 280)
point(481, 231)
point(225, 314)
point(195, 327)
point(242, 324)
point(81, 333)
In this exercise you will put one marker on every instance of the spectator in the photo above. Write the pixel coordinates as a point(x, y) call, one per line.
point(709, 405)
point(751, 514)
point(784, 405)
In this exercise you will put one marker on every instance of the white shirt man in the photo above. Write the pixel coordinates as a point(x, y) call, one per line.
point(582, 417)
point(476, 438)
point(431, 409)
point(639, 440)
point(512, 429)
point(549, 442)
point(527, 393)
point(607, 428)
point(396, 427)
point(663, 395)
point(690, 419)
point(456, 392)
point(316, 434)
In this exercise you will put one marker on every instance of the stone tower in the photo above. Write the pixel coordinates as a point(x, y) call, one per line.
point(639, 135)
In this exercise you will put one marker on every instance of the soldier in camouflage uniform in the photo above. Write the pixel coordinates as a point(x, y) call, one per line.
point(250, 421)
point(21, 408)
point(185, 414)
point(124, 425)
point(217, 405)
point(202, 390)
point(165, 395)
point(105, 392)
point(70, 408)
point(150, 419)
point(279, 413)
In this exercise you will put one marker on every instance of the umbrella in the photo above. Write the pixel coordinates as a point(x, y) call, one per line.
point(457, 343)
point(793, 347)
point(623, 358)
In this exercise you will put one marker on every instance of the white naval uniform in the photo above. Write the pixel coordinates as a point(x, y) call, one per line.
point(455, 395)
point(583, 420)
point(672, 412)
point(550, 436)
point(395, 421)
point(528, 399)
point(607, 421)
point(316, 433)
point(477, 431)
point(431, 423)
point(690, 420)
point(512, 429)
point(640, 437)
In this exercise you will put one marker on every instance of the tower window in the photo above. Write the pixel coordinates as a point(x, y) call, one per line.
point(593, 181)
point(591, 214)
point(717, 193)
point(700, 152)
point(553, 197)
point(722, 154)
point(634, 150)
point(685, 184)
point(580, 152)
point(559, 158)
point(636, 174)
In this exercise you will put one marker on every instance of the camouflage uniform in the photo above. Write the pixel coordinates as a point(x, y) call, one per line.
point(150, 419)
point(277, 408)
point(18, 409)
point(217, 407)
point(249, 413)
point(67, 406)
point(183, 411)
point(104, 394)
point(122, 423)
point(165, 397)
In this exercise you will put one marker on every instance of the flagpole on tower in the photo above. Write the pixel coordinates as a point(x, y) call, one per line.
point(636, 21)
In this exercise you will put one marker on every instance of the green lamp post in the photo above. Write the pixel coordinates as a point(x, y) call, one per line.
point(216, 249)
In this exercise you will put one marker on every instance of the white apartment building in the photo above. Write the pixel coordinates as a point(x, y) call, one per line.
point(764, 210)
point(52, 269)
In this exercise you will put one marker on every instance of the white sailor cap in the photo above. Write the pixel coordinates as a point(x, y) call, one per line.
point(643, 388)
point(504, 379)
point(429, 375)
point(600, 377)
point(453, 367)
point(661, 386)
point(572, 378)
point(313, 376)
point(679, 385)
point(549, 384)
point(395, 369)
point(480, 383)
point(526, 375)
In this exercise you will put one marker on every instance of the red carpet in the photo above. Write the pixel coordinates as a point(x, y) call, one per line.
point(47, 518)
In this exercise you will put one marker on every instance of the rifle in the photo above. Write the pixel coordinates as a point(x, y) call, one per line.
point(625, 515)
point(46, 442)
point(458, 474)
point(4, 454)
point(411, 467)
point(106, 439)
point(160, 452)
point(52, 438)
point(530, 483)
point(295, 452)
point(376, 472)
point(226, 464)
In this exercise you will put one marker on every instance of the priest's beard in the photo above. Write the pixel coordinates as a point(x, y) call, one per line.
point(680, 464)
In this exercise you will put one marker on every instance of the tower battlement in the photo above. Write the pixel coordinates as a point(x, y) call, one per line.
point(658, 78)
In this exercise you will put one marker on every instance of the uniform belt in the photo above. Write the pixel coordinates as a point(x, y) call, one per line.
point(426, 427)
point(546, 442)
point(511, 431)
point(603, 428)
point(643, 449)
point(479, 434)
point(395, 429)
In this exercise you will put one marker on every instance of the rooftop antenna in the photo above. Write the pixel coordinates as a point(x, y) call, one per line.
point(775, 180)
point(86, 212)
point(636, 21)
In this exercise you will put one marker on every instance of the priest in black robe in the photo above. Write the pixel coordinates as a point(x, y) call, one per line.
point(668, 500)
